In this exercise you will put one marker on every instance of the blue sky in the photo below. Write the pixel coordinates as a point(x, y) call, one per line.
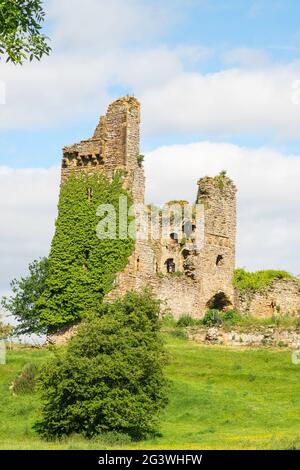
point(269, 28)
point(219, 85)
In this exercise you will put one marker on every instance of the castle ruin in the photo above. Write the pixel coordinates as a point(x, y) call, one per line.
point(189, 278)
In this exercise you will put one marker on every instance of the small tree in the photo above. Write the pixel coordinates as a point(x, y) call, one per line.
point(110, 378)
point(5, 330)
point(26, 292)
point(20, 30)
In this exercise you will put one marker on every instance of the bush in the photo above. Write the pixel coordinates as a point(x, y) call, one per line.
point(168, 320)
point(110, 377)
point(26, 381)
point(259, 280)
point(212, 318)
point(5, 331)
point(231, 317)
point(186, 320)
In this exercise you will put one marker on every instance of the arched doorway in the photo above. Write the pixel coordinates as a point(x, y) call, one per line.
point(219, 301)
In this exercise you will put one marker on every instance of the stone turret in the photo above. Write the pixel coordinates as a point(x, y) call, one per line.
point(114, 146)
point(216, 263)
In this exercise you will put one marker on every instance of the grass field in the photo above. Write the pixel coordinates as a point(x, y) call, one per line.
point(220, 398)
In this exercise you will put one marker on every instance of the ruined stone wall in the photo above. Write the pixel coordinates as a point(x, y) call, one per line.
point(216, 262)
point(202, 266)
point(281, 297)
point(114, 146)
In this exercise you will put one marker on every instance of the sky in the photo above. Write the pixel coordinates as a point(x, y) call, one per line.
point(219, 85)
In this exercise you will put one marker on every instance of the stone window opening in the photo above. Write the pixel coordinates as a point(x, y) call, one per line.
point(138, 264)
point(187, 229)
point(220, 260)
point(185, 253)
point(219, 301)
point(174, 236)
point(170, 265)
point(90, 193)
point(99, 158)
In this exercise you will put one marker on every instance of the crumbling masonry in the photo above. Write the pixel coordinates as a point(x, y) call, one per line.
point(187, 276)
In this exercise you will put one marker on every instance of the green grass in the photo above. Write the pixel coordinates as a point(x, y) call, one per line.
point(244, 280)
point(220, 398)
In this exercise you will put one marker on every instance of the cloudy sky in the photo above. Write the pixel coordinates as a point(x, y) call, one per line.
point(219, 83)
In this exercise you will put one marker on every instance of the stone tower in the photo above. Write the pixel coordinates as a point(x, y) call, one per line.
point(216, 260)
point(114, 146)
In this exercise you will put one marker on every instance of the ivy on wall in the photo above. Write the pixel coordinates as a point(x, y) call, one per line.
point(82, 267)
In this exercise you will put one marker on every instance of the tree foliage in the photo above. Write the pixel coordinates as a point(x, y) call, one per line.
point(82, 267)
point(20, 30)
point(110, 377)
point(26, 291)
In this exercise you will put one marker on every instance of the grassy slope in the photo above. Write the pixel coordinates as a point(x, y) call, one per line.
point(220, 398)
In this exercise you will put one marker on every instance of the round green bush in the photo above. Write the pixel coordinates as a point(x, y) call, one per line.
point(110, 378)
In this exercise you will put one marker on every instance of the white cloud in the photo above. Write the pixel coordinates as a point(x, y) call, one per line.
point(93, 27)
point(233, 101)
point(28, 200)
point(98, 45)
point(246, 57)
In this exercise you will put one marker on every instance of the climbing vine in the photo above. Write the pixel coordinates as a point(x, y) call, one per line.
point(82, 267)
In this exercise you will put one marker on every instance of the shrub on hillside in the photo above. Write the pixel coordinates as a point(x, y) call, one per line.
point(186, 320)
point(25, 382)
point(110, 378)
point(231, 317)
point(168, 320)
point(212, 317)
point(244, 280)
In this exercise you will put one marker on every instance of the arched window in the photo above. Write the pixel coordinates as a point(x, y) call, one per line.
point(170, 265)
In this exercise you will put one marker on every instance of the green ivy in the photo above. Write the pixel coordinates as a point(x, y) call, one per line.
point(82, 267)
